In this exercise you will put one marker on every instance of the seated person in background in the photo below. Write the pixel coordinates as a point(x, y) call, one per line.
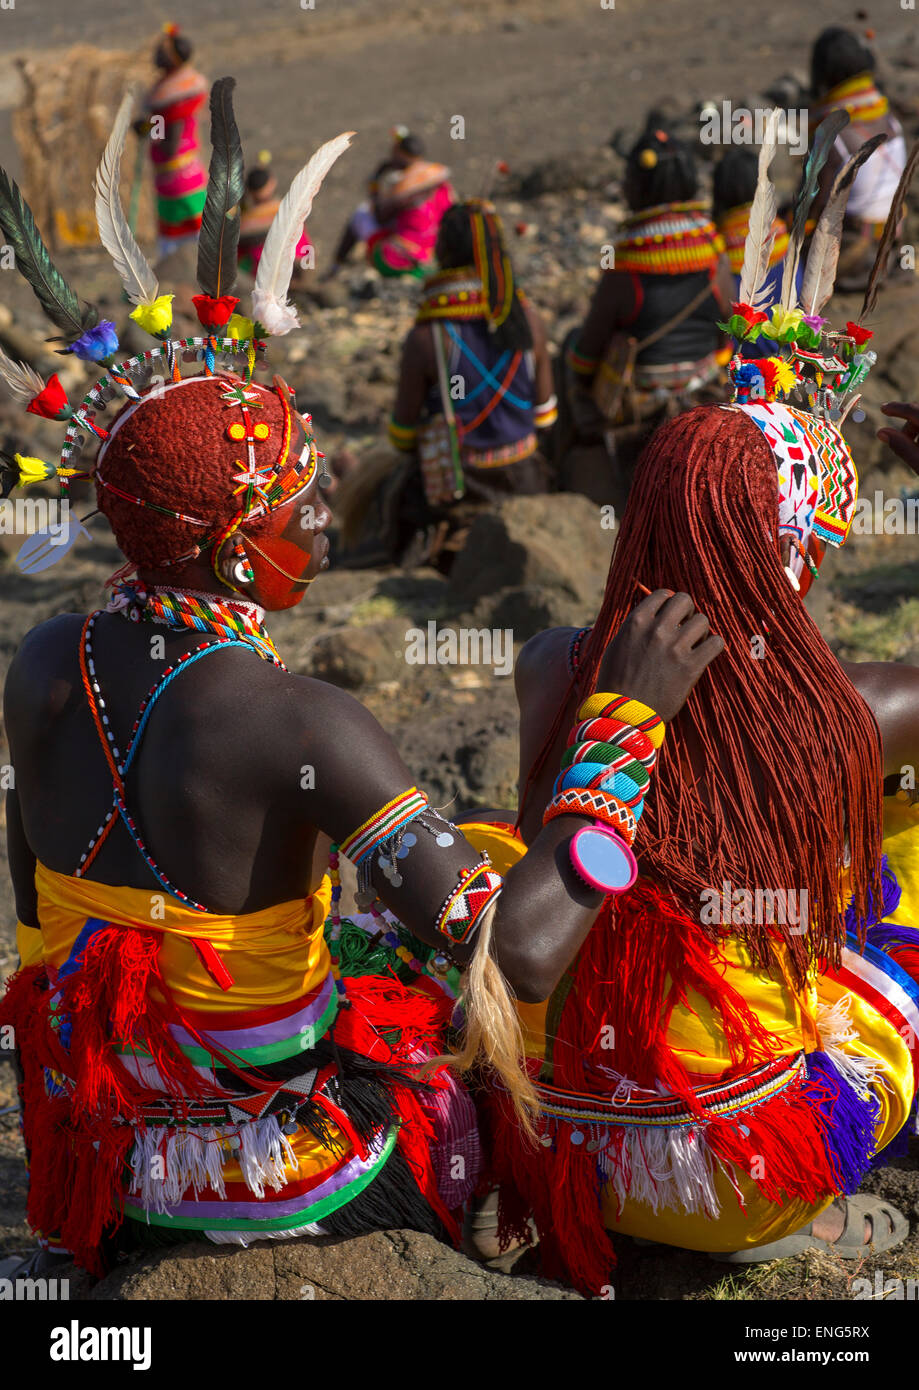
point(650, 344)
point(475, 381)
point(842, 77)
point(408, 196)
point(259, 205)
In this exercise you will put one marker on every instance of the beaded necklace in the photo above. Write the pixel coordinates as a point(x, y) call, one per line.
point(192, 608)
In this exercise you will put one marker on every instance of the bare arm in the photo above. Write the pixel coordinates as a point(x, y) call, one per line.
point(544, 385)
point(417, 373)
point(545, 910)
point(20, 856)
point(613, 306)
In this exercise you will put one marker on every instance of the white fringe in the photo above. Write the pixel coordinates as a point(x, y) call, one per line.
point(664, 1167)
point(166, 1162)
point(247, 1238)
point(834, 1023)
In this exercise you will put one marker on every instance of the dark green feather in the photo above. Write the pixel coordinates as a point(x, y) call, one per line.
point(34, 262)
point(807, 192)
point(219, 236)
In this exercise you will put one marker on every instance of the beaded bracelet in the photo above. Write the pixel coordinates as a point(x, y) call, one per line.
point(615, 731)
point(584, 801)
point(632, 712)
point(461, 911)
point(382, 824)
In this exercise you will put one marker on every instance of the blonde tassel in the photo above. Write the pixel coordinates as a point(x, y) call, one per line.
point(492, 1035)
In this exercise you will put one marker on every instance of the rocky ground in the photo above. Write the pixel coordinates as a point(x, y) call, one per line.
point(541, 91)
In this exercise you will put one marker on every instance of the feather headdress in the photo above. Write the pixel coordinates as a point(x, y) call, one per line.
point(238, 352)
point(139, 281)
point(888, 236)
point(820, 368)
point(269, 295)
point(807, 192)
point(219, 236)
point(21, 380)
point(761, 234)
point(33, 261)
point(823, 256)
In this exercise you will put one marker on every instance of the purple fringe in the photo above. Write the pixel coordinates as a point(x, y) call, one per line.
point(891, 892)
point(850, 1123)
point(887, 934)
point(899, 1145)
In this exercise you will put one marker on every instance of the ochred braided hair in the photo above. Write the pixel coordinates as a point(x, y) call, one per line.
point(790, 751)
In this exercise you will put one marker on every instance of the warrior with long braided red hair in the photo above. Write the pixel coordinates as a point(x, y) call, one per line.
point(730, 1048)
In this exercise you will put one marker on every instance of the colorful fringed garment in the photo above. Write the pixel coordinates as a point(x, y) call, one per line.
point(405, 246)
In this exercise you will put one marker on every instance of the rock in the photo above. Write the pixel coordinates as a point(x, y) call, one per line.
point(554, 543)
point(387, 1266)
point(581, 168)
point(470, 753)
point(360, 656)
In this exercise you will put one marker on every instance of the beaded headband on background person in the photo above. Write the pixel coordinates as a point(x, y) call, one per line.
point(265, 476)
point(811, 364)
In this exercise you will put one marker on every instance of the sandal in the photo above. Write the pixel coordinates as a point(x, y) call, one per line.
point(850, 1245)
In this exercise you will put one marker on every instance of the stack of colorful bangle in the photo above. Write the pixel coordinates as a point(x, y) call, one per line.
point(607, 764)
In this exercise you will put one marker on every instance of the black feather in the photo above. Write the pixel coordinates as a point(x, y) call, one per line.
point(33, 261)
point(219, 235)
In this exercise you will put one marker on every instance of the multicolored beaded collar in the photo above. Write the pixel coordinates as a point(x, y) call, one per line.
point(191, 608)
point(672, 239)
point(859, 96)
point(452, 294)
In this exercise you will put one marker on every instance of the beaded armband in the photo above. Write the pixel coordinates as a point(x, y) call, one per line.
point(462, 910)
point(602, 806)
point(402, 437)
point(606, 766)
point(580, 364)
point(632, 712)
point(546, 413)
point(378, 828)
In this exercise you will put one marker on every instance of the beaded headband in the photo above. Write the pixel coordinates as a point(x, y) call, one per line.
point(229, 340)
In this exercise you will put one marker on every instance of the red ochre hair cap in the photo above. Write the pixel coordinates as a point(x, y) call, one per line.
point(172, 450)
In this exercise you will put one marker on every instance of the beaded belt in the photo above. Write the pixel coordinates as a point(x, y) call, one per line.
point(726, 1098)
point(284, 1102)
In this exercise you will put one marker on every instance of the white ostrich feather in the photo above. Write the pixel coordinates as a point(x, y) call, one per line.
point(760, 236)
point(22, 380)
point(140, 283)
point(272, 280)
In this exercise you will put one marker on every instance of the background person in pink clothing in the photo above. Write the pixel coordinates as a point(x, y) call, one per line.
point(179, 176)
point(408, 195)
point(259, 205)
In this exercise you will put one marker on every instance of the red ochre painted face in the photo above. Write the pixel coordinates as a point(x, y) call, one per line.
point(288, 553)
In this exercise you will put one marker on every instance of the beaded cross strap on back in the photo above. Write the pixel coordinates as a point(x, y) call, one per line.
point(119, 765)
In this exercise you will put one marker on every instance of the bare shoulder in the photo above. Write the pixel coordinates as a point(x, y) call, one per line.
point(543, 660)
point(43, 651)
point(419, 345)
